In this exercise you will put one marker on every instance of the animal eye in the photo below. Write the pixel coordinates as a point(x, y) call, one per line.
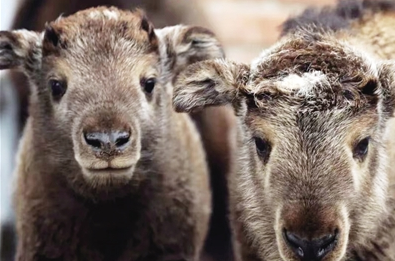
point(361, 149)
point(148, 84)
point(196, 41)
point(263, 148)
point(58, 89)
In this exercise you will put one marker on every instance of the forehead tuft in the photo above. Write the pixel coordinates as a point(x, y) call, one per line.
point(316, 72)
point(304, 52)
point(102, 26)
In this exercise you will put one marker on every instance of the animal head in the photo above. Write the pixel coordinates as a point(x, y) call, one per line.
point(100, 87)
point(312, 111)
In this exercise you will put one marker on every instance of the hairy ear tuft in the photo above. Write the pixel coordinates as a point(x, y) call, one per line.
point(203, 45)
point(148, 27)
point(182, 45)
point(8, 44)
point(209, 83)
point(51, 36)
point(52, 40)
point(20, 49)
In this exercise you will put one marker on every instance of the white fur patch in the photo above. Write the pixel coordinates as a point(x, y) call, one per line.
point(107, 14)
point(302, 84)
point(111, 14)
point(94, 14)
point(346, 228)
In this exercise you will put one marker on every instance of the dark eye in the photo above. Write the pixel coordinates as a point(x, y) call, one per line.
point(196, 41)
point(148, 84)
point(361, 149)
point(263, 148)
point(58, 89)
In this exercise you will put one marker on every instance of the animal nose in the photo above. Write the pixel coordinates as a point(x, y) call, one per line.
point(108, 141)
point(311, 250)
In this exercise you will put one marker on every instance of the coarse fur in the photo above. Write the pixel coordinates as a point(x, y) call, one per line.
point(315, 136)
point(147, 200)
point(215, 125)
point(33, 14)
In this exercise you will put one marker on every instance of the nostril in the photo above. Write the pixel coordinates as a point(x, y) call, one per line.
point(93, 140)
point(121, 141)
point(121, 138)
point(326, 244)
point(295, 243)
point(109, 142)
point(314, 249)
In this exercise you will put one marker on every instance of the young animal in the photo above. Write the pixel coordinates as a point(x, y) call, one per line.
point(32, 15)
point(214, 124)
point(315, 177)
point(107, 170)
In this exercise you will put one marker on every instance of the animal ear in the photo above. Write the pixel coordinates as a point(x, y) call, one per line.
point(52, 39)
point(183, 45)
point(387, 87)
point(148, 27)
point(20, 49)
point(202, 44)
point(210, 83)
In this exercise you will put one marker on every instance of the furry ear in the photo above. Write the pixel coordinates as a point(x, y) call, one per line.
point(387, 87)
point(202, 44)
point(148, 27)
point(210, 83)
point(52, 39)
point(20, 49)
point(182, 45)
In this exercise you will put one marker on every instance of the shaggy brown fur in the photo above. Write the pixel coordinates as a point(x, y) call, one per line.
point(146, 200)
point(33, 14)
point(315, 137)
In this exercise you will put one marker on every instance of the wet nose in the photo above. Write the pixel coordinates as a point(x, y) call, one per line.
point(310, 250)
point(108, 141)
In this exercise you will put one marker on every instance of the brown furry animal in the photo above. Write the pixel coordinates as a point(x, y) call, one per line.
point(316, 176)
point(107, 170)
point(32, 15)
point(215, 124)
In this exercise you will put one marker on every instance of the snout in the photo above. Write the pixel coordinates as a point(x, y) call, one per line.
point(309, 250)
point(312, 232)
point(107, 144)
point(108, 148)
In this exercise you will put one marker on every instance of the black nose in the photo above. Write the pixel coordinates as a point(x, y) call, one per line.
point(311, 250)
point(107, 141)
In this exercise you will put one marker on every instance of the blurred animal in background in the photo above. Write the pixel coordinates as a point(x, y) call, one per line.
point(316, 176)
point(215, 124)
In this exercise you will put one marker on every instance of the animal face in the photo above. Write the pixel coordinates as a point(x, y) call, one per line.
point(104, 92)
point(101, 87)
point(309, 167)
point(312, 113)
